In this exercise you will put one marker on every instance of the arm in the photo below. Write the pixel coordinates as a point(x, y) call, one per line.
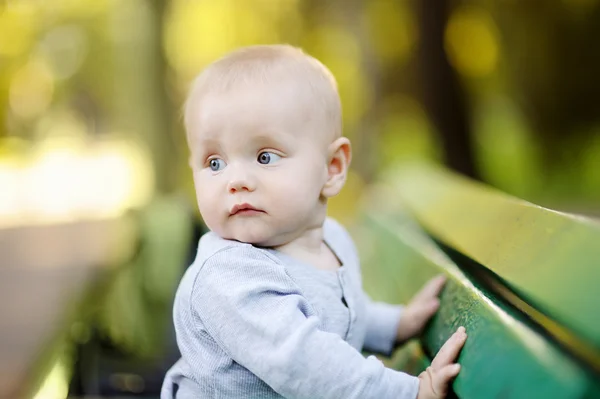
point(383, 320)
point(257, 314)
point(391, 325)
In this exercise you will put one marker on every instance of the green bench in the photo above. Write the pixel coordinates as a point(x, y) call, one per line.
point(522, 279)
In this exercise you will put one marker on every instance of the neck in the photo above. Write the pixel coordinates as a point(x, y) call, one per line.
point(310, 241)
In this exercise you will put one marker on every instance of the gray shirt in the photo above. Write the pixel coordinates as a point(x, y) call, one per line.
point(254, 323)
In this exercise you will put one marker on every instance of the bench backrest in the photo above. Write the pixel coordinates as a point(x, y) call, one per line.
point(522, 280)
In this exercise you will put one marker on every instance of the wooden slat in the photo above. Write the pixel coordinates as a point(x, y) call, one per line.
point(503, 356)
point(549, 258)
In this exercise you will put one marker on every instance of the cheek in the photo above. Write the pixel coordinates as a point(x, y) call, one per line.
point(298, 185)
point(210, 215)
point(311, 179)
point(205, 203)
point(207, 199)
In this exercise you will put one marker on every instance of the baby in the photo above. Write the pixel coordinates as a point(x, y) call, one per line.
point(273, 305)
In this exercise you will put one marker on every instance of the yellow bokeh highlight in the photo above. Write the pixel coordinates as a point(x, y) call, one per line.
point(18, 25)
point(337, 49)
point(392, 29)
point(31, 89)
point(471, 42)
point(13, 146)
point(252, 27)
point(198, 32)
point(79, 9)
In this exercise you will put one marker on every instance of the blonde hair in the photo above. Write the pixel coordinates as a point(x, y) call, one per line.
point(268, 64)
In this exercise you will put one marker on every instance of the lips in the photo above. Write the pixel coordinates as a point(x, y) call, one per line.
point(244, 209)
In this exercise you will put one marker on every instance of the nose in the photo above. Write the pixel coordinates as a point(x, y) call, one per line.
point(241, 180)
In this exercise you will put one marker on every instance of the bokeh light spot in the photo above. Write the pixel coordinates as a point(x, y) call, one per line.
point(31, 90)
point(471, 42)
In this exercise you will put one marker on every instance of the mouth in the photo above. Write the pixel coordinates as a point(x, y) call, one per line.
point(244, 210)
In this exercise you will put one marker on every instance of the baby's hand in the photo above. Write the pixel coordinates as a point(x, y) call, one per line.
point(420, 309)
point(434, 381)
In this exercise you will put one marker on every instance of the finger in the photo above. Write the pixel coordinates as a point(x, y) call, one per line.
point(432, 288)
point(426, 309)
point(450, 349)
point(440, 379)
point(448, 372)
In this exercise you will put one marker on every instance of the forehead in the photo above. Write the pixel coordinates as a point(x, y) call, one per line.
point(284, 108)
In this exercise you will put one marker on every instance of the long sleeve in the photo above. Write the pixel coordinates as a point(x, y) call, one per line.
point(382, 326)
point(257, 314)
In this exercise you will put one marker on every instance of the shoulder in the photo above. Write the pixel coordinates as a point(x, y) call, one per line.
point(214, 251)
point(211, 244)
point(213, 248)
point(231, 268)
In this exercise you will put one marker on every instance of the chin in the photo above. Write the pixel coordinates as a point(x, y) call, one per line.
point(258, 234)
point(257, 238)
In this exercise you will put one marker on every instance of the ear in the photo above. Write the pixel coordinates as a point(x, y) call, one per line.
point(338, 162)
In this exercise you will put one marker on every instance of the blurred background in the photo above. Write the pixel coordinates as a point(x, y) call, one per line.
point(97, 213)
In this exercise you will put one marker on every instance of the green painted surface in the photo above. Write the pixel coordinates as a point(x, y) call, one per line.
point(503, 357)
point(551, 259)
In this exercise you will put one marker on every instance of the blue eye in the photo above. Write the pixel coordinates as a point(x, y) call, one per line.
point(267, 157)
point(216, 164)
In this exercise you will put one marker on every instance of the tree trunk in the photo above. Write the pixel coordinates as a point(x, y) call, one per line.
point(443, 97)
point(142, 103)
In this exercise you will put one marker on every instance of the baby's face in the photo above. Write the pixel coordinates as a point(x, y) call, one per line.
point(259, 163)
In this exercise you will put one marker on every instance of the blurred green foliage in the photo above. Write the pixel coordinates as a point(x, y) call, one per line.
point(137, 311)
point(102, 67)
